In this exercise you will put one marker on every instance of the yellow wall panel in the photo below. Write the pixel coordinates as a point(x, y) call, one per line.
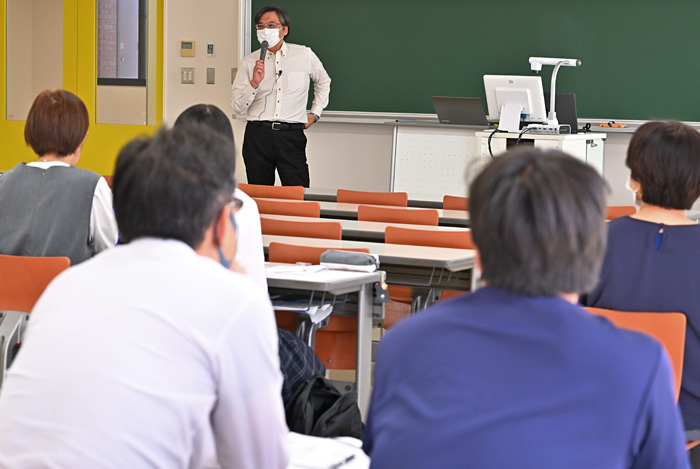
point(80, 77)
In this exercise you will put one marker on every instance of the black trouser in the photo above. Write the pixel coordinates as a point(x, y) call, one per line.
point(268, 145)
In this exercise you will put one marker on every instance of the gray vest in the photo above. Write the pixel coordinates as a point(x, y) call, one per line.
point(46, 212)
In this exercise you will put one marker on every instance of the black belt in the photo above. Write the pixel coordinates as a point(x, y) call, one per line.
point(279, 125)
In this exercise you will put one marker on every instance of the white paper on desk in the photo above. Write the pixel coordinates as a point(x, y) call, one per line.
point(317, 313)
point(295, 269)
point(310, 452)
point(356, 268)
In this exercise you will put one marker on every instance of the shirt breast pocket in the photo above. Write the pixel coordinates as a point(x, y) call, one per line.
point(298, 81)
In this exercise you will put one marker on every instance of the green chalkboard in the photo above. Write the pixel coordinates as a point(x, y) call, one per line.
point(639, 58)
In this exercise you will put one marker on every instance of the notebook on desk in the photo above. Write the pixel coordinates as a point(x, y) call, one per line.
point(461, 111)
point(565, 104)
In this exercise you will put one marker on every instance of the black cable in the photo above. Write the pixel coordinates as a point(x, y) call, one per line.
point(279, 74)
point(490, 137)
point(522, 132)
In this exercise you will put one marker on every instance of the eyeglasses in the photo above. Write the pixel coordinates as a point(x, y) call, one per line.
point(270, 25)
point(235, 203)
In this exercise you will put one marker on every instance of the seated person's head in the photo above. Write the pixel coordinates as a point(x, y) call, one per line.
point(57, 123)
point(173, 185)
point(538, 221)
point(206, 114)
point(664, 159)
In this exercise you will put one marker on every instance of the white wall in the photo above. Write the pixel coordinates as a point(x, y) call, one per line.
point(202, 21)
point(31, 70)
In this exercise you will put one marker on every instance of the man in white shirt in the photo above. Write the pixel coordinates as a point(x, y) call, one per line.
point(153, 354)
point(274, 92)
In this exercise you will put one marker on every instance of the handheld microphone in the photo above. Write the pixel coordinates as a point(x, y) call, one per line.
point(263, 49)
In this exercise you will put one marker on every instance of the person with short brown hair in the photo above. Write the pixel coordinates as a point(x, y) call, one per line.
point(50, 207)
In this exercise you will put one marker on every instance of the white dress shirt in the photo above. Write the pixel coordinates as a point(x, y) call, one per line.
point(250, 253)
point(146, 356)
point(103, 224)
point(283, 93)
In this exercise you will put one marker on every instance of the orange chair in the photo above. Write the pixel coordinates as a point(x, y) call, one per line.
point(306, 229)
point(667, 328)
point(398, 215)
point(336, 344)
point(398, 199)
point(109, 180)
point(417, 237)
point(452, 202)
point(617, 211)
point(273, 192)
point(438, 239)
point(289, 207)
point(23, 279)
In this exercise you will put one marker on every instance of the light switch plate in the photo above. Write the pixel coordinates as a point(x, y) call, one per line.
point(211, 72)
point(187, 75)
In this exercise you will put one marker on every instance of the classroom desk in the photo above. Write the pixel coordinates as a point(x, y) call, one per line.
point(414, 200)
point(336, 282)
point(349, 212)
point(420, 267)
point(355, 230)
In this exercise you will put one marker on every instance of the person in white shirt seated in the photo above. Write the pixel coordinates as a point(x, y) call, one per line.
point(298, 361)
point(50, 207)
point(155, 353)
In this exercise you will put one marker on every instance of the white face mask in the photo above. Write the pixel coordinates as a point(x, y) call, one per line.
point(628, 186)
point(272, 36)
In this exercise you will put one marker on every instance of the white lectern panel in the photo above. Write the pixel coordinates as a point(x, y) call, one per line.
point(433, 161)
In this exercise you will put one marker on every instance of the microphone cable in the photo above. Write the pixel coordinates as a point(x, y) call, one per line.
point(278, 75)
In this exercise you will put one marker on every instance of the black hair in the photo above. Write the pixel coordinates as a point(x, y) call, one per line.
point(664, 157)
point(174, 184)
point(538, 220)
point(281, 14)
point(206, 114)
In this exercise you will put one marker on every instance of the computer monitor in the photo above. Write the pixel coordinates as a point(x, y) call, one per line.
point(512, 99)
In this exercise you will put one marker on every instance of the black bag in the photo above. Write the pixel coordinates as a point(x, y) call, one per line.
point(319, 409)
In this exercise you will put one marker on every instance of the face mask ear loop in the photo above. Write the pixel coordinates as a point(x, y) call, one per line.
point(222, 258)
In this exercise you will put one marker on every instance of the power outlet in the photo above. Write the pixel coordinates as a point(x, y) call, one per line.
point(187, 75)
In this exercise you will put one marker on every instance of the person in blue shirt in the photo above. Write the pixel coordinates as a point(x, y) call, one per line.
point(652, 261)
point(516, 374)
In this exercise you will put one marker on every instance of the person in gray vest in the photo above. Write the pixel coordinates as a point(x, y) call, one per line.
point(50, 207)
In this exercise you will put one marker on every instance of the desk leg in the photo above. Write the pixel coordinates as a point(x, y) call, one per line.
point(364, 349)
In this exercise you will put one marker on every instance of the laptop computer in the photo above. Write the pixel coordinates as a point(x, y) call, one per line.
point(462, 111)
point(565, 104)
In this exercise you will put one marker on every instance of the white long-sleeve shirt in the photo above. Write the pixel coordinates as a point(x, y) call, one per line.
point(250, 253)
point(146, 356)
point(281, 96)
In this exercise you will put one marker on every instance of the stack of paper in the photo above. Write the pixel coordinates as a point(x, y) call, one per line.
point(310, 452)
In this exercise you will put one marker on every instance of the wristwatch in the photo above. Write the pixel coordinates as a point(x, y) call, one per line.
point(316, 118)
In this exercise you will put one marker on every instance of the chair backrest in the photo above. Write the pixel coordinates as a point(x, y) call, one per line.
point(398, 199)
point(23, 279)
point(667, 328)
point(452, 202)
point(109, 180)
point(290, 253)
point(306, 229)
point(617, 211)
point(397, 215)
point(289, 207)
point(273, 192)
point(440, 239)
